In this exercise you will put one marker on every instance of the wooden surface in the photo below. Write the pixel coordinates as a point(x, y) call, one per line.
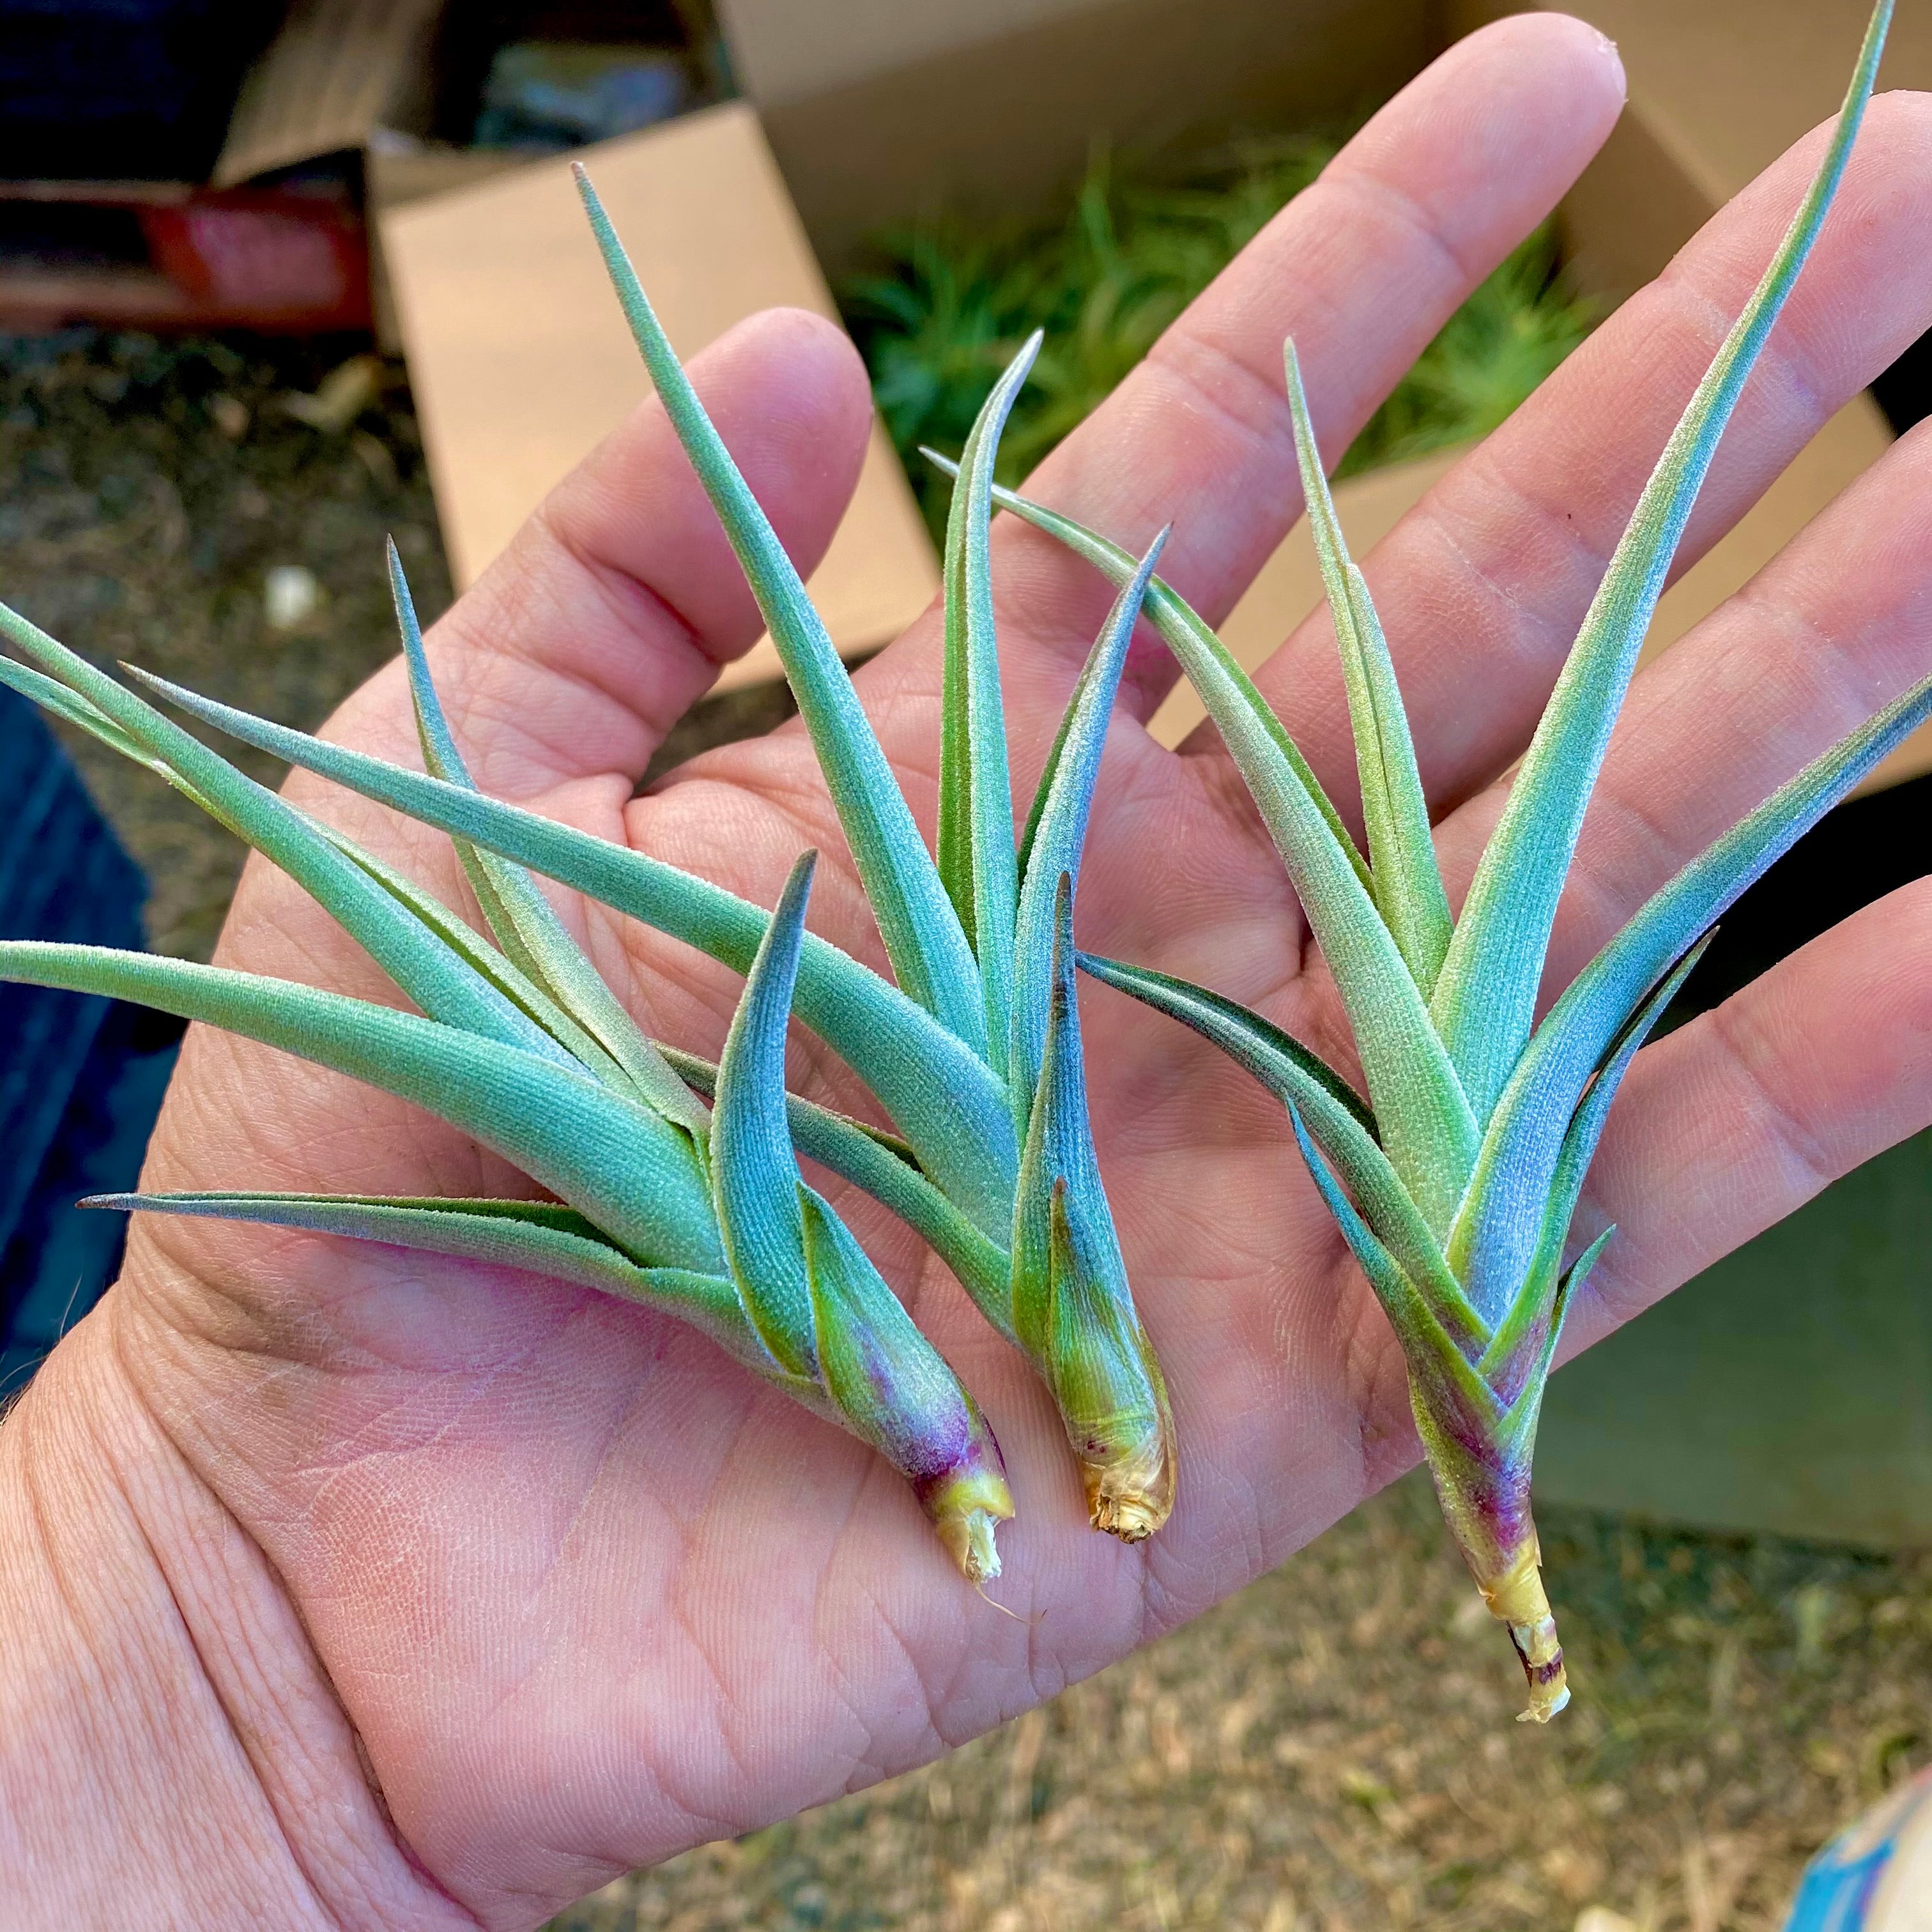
point(521, 361)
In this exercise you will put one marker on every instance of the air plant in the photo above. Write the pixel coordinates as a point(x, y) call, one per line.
point(1455, 1180)
point(677, 1181)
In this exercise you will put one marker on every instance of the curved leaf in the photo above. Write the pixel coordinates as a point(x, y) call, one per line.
point(976, 805)
point(1342, 1126)
point(525, 923)
point(887, 1169)
point(1407, 883)
point(438, 981)
point(754, 1178)
point(1531, 1120)
point(1440, 1374)
point(1580, 1149)
point(941, 1094)
point(540, 1237)
point(628, 1171)
point(1485, 999)
point(1060, 833)
point(923, 934)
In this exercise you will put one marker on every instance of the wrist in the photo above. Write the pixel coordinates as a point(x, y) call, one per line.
point(171, 1752)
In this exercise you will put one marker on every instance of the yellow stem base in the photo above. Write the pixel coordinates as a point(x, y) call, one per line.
point(1131, 1496)
point(1516, 1599)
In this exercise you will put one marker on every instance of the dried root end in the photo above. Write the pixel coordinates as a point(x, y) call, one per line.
point(970, 1536)
point(1517, 1599)
point(967, 1508)
point(1131, 1496)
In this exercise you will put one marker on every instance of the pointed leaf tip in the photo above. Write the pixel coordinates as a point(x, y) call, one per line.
point(917, 919)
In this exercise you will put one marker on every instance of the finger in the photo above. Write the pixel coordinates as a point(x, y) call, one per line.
point(615, 604)
point(1738, 1119)
point(1830, 632)
point(1362, 269)
point(1483, 586)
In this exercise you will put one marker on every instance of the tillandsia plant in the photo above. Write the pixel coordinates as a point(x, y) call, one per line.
point(1455, 1180)
point(677, 1181)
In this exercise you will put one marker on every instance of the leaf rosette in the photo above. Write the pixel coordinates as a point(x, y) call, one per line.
point(677, 1182)
point(1456, 1180)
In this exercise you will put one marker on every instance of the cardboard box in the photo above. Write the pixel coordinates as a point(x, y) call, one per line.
point(876, 110)
point(337, 73)
point(521, 361)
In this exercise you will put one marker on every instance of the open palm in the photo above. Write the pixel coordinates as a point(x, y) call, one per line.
point(542, 1585)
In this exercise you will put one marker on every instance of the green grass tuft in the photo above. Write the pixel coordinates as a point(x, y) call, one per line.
point(953, 300)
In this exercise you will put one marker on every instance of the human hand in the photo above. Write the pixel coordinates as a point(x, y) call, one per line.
point(575, 1591)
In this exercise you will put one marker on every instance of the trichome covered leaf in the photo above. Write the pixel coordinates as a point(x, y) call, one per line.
point(1457, 1186)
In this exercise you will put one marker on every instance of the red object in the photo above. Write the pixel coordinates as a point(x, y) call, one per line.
point(286, 261)
point(278, 259)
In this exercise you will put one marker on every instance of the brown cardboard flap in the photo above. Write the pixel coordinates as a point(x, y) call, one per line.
point(521, 361)
point(790, 50)
point(337, 69)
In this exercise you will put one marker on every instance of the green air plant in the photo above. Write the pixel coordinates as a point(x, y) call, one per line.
point(1455, 1181)
point(677, 1181)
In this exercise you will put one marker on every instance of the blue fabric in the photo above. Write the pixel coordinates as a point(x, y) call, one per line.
point(80, 1078)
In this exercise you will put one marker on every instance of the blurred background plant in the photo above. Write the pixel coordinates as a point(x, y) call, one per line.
point(953, 298)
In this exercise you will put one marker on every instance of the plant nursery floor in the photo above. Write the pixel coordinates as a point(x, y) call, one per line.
point(1334, 1748)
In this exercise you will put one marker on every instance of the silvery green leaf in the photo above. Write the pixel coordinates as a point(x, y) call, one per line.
point(1579, 1149)
point(1072, 1310)
point(620, 1164)
point(976, 805)
point(1277, 1059)
point(754, 1177)
point(1060, 834)
point(526, 925)
point(1515, 1435)
point(539, 1236)
point(941, 1094)
point(923, 934)
point(1439, 1372)
point(1059, 1150)
point(1427, 1129)
point(887, 1169)
point(892, 1390)
point(1408, 886)
point(437, 980)
point(1330, 1108)
point(77, 710)
point(1485, 1000)
point(1426, 1126)
point(1175, 618)
point(1534, 1115)
point(484, 959)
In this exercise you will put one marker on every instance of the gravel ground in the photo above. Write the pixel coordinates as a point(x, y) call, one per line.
point(1293, 1762)
point(1334, 1751)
